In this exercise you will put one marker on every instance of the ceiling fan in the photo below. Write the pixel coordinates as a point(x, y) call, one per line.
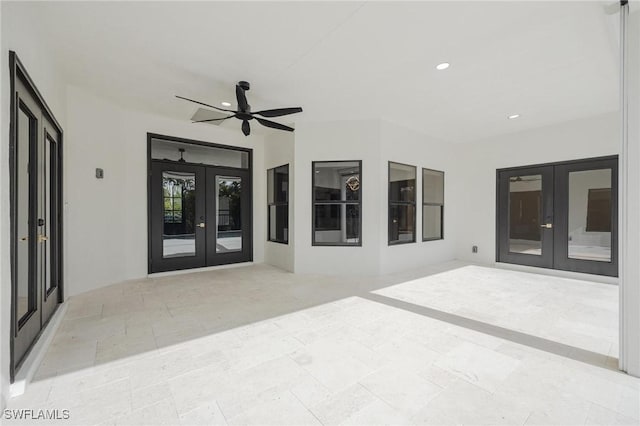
point(244, 111)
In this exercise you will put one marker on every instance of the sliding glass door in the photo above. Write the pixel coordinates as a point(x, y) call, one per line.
point(561, 216)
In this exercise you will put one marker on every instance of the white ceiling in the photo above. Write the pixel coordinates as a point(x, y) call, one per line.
point(548, 61)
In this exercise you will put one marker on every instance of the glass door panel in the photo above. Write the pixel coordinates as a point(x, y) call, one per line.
point(228, 214)
point(525, 214)
point(179, 220)
point(177, 212)
point(589, 232)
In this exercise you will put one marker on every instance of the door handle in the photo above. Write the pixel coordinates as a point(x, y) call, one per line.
point(42, 238)
point(201, 225)
point(546, 225)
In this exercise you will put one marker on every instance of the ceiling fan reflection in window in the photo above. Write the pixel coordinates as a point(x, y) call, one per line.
point(244, 111)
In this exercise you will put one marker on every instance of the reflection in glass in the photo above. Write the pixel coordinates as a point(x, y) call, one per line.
point(590, 215)
point(228, 214)
point(402, 203)
point(162, 149)
point(26, 296)
point(402, 220)
point(525, 214)
point(178, 236)
point(337, 223)
point(336, 197)
point(432, 204)
point(431, 222)
point(278, 203)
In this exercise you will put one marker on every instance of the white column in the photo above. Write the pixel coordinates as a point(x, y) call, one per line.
point(630, 200)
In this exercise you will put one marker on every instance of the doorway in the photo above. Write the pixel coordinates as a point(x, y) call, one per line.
point(560, 215)
point(199, 204)
point(36, 213)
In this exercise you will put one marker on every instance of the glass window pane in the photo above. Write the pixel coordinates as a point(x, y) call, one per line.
point(281, 188)
point(270, 187)
point(402, 183)
point(337, 181)
point(178, 239)
point(525, 214)
point(431, 222)
point(26, 293)
point(162, 149)
point(590, 215)
point(402, 223)
point(432, 186)
point(279, 223)
point(337, 224)
point(229, 214)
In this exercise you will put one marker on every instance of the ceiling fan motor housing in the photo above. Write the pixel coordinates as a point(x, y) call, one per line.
point(244, 85)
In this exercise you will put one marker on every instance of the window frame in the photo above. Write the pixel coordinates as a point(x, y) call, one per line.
point(339, 202)
point(391, 203)
point(277, 204)
point(433, 204)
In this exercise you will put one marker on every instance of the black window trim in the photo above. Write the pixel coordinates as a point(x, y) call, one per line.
point(313, 205)
point(400, 203)
point(277, 204)
point(433, 204)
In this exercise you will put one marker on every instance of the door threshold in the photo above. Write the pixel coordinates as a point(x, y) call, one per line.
point(30, 365)
point(604, 279)
point(203, 269)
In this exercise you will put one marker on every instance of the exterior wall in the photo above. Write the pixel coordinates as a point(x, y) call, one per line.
point(477, 163)
point(335, 141)
point(26, 41)
point(106, 219)
point(403, 145)
point(280, 150)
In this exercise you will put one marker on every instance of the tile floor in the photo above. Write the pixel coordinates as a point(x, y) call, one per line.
point(451, 344)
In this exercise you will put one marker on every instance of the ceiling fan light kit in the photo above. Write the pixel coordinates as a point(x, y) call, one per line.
point(245, 114)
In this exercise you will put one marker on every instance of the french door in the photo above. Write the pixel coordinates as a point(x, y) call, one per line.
point(199, 216)
point(35, 215)
point(561, 216)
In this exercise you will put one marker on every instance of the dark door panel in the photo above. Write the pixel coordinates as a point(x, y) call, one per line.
point(178, 217)
point(525, 216)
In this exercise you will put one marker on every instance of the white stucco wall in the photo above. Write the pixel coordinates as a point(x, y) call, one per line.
point(106, 219)
point(477, 164)
point(17, 35)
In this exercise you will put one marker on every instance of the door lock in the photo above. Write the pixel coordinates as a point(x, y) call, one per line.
point(201, 225)
point(546, 225)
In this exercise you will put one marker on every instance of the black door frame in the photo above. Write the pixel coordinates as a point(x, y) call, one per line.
point(245, 173)
point(560, 222)
point(17, 71)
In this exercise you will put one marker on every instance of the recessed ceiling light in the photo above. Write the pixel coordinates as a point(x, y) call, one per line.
point(513, 116)
point(225, 104)
point(443, 66)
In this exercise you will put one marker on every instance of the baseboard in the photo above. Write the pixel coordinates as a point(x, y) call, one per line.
point(30, 365)
point(205, 269)
point(559, 273)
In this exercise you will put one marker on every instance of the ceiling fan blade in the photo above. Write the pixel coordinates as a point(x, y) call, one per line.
point(243, 105)
point(279, 112)
point(246, 129)
point(273, 124)
point(214, 119)
point(202, 103)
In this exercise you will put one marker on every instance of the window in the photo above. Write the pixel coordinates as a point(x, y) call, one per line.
point(278, 204)
point(432, 204)
point(402, 203)
point(337, 202)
